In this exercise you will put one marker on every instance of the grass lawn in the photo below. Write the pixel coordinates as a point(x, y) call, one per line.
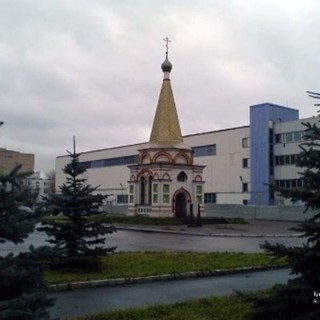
point(214, 308)
point(139, 264)
point(147, 221)
point(143, 220)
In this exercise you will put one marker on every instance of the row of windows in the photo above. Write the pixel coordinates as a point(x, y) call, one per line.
point(212, 198)
point(211, 150)
point(202, 151)
point(289, 183)
point(122, 198)
point(287, 137)
point(119, 161)
point(208, 198)
point(208, 150)
point(133, 159)
point(288, 159)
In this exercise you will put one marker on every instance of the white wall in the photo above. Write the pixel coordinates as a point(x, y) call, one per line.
point(222, 172)
point(284, 172)
point(111, 180)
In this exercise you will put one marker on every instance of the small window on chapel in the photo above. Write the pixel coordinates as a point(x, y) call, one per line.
point(182, 177)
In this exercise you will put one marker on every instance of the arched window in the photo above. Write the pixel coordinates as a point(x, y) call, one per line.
point(182, 177)
point(149, 189)
point(142, 190)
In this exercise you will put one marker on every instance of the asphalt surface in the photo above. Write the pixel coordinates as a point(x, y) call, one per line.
point(255, 228)
point(90, 301)
point(208, 238)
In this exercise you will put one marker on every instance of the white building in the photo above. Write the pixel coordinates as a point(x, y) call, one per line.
point(239, 163)
point(237, 169)
point(39, 184)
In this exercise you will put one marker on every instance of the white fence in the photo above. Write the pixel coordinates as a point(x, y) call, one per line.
point(277, 213)
point(280, 213)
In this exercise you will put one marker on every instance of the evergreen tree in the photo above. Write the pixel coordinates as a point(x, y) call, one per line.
point(16, 222)
point(22, 289)
point(81, 232)
point(299, 299)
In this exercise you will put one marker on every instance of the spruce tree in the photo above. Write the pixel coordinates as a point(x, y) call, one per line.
point(80, 227)
point(22, 289)
point(299, 299)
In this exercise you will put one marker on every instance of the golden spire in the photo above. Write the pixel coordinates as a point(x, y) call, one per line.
point(166, 128)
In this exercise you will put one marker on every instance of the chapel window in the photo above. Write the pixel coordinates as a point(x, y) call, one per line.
point(182, 177)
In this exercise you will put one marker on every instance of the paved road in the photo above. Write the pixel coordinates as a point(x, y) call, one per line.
point(90, 301)
point(144, 241)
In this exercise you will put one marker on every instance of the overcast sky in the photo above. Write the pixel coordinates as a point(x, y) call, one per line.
point(91, 68)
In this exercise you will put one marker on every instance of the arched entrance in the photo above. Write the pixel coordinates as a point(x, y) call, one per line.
point(181, 205)
point(181, 200)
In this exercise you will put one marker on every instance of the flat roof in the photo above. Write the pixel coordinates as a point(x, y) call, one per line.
point(138, 144)
point(273, 105)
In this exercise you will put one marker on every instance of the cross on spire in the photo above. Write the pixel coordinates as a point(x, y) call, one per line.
point(167, 44)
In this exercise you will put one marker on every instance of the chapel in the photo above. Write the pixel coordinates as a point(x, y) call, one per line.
point(165, 182)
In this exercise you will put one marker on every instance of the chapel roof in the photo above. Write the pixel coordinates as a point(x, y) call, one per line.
point(166, 127)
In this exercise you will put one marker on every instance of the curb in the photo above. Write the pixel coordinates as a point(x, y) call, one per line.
point(202, 234)
point(164, 277)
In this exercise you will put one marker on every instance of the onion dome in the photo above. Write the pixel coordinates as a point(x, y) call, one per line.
point(166, 65)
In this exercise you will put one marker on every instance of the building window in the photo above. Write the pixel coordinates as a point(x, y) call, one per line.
point(199, 194)
point(289, 159)
point(155, 193)
point(131, 193)
point(119, 161)
point(142, 190)
point(245, 187)
point(122, 198)
point(245, 142)
point(182, 177)
point(155, 198)
point(289, 183)
point(245, 163)
point(202, 151)
point(288, 137)
point(166, 193)
point(245, 201)
point(210, 197)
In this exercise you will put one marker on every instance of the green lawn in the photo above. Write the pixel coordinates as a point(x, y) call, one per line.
point(214, 308)
point(147, 221)
point(143, 220)
point(139, 264)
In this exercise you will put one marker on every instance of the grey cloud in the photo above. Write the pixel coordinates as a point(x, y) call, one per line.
point(92, 68)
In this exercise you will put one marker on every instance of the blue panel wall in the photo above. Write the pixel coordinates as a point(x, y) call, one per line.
point(260, 115)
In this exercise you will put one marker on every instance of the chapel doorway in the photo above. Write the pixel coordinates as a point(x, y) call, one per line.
point(181, 205)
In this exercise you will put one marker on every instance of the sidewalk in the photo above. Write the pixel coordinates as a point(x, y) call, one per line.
point(255, 228)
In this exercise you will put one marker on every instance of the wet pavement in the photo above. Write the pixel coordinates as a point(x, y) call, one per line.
point(254, 228)
point(90, 301)
point(127, 240)
point(209, 238)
